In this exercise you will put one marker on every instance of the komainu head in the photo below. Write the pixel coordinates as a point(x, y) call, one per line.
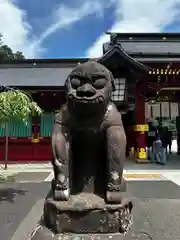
point(89, 88)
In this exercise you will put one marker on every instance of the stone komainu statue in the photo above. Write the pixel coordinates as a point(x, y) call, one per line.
point(88, 140)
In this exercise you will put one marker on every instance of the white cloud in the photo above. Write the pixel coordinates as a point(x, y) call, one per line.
point(138, 16)
point(131, 16)
point(13, 25)
point(16, 30)
point(64, 17)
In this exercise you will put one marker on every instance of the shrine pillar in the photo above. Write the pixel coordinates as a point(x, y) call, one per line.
point(178, 134)
point(140, 128)
point(35, 128)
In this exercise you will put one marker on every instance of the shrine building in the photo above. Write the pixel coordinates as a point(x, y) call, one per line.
point(146, 68)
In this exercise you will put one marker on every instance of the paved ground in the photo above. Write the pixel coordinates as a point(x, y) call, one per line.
point(155, 219)
point(16, 202)
point(155, 190)
point(156, 211)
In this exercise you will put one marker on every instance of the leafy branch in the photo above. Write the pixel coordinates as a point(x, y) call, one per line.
point(16, 105)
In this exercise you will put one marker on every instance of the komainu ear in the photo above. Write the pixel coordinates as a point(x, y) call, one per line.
point(67, 83)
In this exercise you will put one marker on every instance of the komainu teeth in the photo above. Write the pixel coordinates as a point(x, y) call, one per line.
point(100, 99)
point(79, 101)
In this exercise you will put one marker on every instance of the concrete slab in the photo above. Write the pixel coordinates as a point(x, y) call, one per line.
point(172, 176)
point(153, 189)
point(33, 177)
point(16, 202)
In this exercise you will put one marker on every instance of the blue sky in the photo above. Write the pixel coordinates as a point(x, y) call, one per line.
point(75, 28)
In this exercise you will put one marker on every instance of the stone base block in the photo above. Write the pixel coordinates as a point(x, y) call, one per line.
point(43, 233)
point(87, 213)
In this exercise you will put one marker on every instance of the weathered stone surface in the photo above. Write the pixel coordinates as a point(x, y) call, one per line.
point(45, 234)
point(153, 219)
point(88, 146)
point(88, 140)
point(42, 233)
point(87, 213)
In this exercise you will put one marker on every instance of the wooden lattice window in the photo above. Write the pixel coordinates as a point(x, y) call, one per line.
point(119, 93)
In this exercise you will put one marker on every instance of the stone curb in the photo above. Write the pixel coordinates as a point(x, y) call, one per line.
point(7, 177)
point(142, 175)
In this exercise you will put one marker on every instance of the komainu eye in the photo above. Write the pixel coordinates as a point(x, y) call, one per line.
point(75, 83)
point(99, 83)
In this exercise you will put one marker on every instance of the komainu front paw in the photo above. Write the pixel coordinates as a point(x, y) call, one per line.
point(113, 197)
point(61, 195)
point(117, 184)
point(123, 185)
point(60, 190)
point(115, 187)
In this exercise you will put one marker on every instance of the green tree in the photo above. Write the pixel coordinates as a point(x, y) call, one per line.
point(14, 104)
point(18, 55)
point(6, 52)
point(1, 42)
point(17, 106)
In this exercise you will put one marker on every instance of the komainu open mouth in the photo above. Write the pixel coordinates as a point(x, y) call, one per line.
point(85, 100)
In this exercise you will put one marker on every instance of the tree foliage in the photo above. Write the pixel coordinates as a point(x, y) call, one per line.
point(6, 52)
point(16, 105)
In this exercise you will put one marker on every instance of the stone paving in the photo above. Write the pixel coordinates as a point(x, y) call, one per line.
point(155, 190)
point(33, 172)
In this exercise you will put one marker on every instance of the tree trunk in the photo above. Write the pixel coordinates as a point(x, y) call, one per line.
point(6, 145)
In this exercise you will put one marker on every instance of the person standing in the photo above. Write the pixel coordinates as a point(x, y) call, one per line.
point(157, 150)
point(163, 131)
point(151, 137)
point(170, 140)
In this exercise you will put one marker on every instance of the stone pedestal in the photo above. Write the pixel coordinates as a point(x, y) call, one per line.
point(85, 216)
point(87, 213)
point(43, 233)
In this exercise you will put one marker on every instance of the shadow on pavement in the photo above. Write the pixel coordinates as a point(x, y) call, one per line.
point(8, 194)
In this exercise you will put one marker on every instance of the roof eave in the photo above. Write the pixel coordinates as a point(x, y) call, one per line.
point(117, 50)
point(45, 61)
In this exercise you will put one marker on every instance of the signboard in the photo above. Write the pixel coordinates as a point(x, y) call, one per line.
point(174, 109)
point(142, 128)
point(156, 110)
point(165, 109)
